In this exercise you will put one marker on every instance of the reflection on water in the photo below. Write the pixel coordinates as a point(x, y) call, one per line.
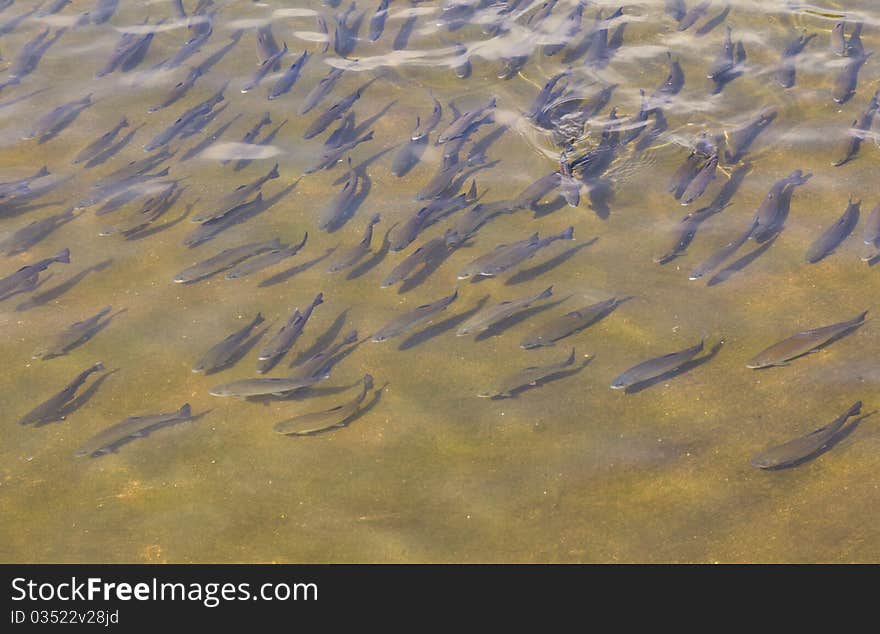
point(720, 144)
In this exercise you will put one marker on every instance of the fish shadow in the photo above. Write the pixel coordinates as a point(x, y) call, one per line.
point(59, 290)
point(402, 38)
point(325, 339)
point(83, 398)
point(527, 275)
point(88, 336)
point(408, 156)
point(713, 23)
point(635, 388)
point(556, 376)
point(509, 322)
point(431, 264)
point(209, 140)
point(601, 193)
point(143, 434)
point(113, 150)
point(369, 121)
point(366, 184)
point(241, 352)
point(361, 167)
point(285, 275)
point(724, 274)
point(165, 225)
point(266, 140)
point(370, 263)
point(439, 328)
point(836, 438)
point(545, 209)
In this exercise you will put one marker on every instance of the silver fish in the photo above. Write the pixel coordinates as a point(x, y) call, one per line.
point(321, 90)
point(74, 335)
point(27, 275)
point(871, 235)
point(129, 429)
point(53, 409)
point(507, 256)
point(411, 318)
point(462, 124)
point(430, 251)
point(491, 315)
point(834, 235)
point(288, 79)
point(345, 258)
point(101, 143)
point(334, 418)
point(802, 343)
point(265, 260)
point(569, 323)
point(287, 335)
point(235, 198)
point(655, 367)
point(263, 69)
point(528, 377)
point(223, 352)
point(224, 260)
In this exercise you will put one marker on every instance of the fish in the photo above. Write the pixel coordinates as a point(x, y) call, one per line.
point(739, 141)
point(266, 44)
point(567, 30)
point(100, 144)
point(838, 39)
point(236, 198)
point(847, 79)
point(834, 235)
point(189, 48)
point(528, 377)
point(331, 156)
point(796, 451)
point(52, 123)
point(152, 209)
point(715, 260)
point(283, 340)
point(673, 83)
point(333, 113)
point(653, 368)
point(54, 408)
point(186, 119)
point(377, 22)
point(685, 174)
point(263, 69)
point(129, 51)
point(130, 172)
point(265, 260)
point(129, 429)
point(507, 256)
point(408, 155)
point(402, 234)
point(321, 90)
point(29, 56)
point(345, 258)
point(785, 75)
point(179, 90)
point(334, 418)
point(676, 9)
point(491, 315)
point(802, 343)
point(410, 319)
point(28, 274)
point(251, 135)
point(10, 25)
point(103, 11)
point(545, 96)
point(224, 260)
point(339, 205)
point(693, 14)
point(320, 363)
point(345, 36)
point(462, 125)
point(29, 235)
point(700, 182)
point(288, 79)
point(859, 129)
point(427, 126)
point(871, 234)
point(462, 68)
point(11, 189)
point(431, 251)
point(569, 323)
point(768, 215)
point(725, 61)
point(223, 352)
point(74, 335)
point(322, 27)
point(212, 228)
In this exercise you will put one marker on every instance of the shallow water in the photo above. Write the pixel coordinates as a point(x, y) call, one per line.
point(567, 471)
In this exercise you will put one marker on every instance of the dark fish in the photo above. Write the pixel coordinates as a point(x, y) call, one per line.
point(263, 69)
point(29, 56)
point(443, 180)
point(220, 355)
point(462, 124)
point(847, 80)
point(212, 228)
point(683, 176)
point(11, 189)
point(769, 214)
point(329, 157)
point(491, 315)
point(339, 205)
point(236, 198)
point(462, 67)
point(129, 429)
point(834, 235)
point(345, 258)
point(317, 422)
point(693, 14)
point(101, 143)
point(153, 208)
point(858, 131)
point(676, 9)
point(507, 256)
point(322, 26)
point(529, 377)
point(189, 48)
point(800, 449)
point(265, 260)
point(179, 127)
point(132, 170)
point(838, 39)
point(673, 83)
point(871, 234)
point(569, 323)
point(345, 35)
point(377, 22)
point(180, 89)
point(401, 39)
point(321, 90)
point(785, 75)
point(545, 96)
point(739, 141)
point(224, 260)
point(27, 275)
point(74, 335)
point(701, 181)
point(427, 126)
point(283, 340)
point(655, 367)
point(408, 155)
point(412, 318)
point(267, 47)
point(129, 51)
point(103, 11)
point(802, 343)
point(726, 58)
point(51, 124)
point(54, 409)
point(333, 113)
point(288, 79)
point(402, 234)
point(10, 25)
point(567, 30)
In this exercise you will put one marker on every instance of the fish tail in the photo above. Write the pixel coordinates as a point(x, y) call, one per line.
point(547, 292)
point(570, 359)
point(274, 172)
point(63, 256)
point(185, 411)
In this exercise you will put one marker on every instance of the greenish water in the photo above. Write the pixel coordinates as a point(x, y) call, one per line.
point(566, 472)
